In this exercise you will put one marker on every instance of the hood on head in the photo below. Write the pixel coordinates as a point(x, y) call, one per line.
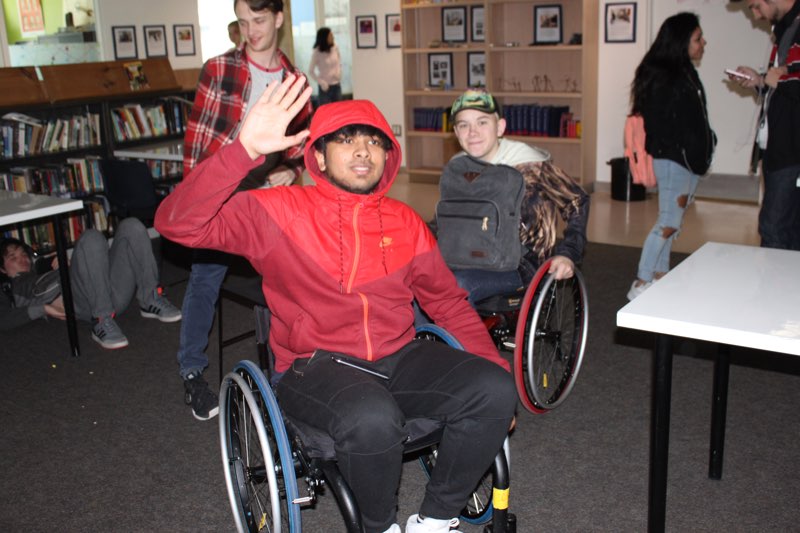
point(330, 117)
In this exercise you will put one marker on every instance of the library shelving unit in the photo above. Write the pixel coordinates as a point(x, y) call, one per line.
point(58, 121)
point(498, 53)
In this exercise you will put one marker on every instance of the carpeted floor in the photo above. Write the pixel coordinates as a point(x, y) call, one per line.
point(103, 442)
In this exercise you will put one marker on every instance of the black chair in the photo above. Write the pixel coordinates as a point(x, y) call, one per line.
point(130, 190)
point(245, 290)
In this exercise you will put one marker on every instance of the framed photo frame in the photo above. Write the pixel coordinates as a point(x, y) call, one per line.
point(476, 69)
point(621, 22)
point(367, 31)
point(155, 41)
point(454, 24)
point(124, 42)
point(184, 39)
point(548, 24)
point(477, 33)
point(440, 70)
point(394, 31)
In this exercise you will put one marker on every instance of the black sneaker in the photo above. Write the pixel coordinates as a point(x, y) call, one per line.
point(204, 402)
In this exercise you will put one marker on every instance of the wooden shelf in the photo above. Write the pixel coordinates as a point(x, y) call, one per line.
point(63, 94)
point(21, 87)
point(496, 48)
point(513, 74)
point(104, 80)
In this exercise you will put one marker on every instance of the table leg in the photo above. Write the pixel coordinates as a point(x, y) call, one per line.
point(66, 288)
point(719, 409)
point(659, 433)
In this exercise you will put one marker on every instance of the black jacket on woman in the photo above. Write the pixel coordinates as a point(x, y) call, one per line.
point(676, 121)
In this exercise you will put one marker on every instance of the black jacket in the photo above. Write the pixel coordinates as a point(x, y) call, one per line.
point(676, 121)
point(783, 114)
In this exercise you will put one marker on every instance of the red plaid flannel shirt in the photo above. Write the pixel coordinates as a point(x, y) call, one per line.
point(219, 109)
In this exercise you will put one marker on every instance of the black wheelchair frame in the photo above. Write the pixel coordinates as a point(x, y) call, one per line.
point(265, 454)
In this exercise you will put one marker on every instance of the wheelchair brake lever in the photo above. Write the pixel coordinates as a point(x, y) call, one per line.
point(345, 362)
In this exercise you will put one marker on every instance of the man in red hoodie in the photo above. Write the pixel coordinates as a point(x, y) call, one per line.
point(342, 264)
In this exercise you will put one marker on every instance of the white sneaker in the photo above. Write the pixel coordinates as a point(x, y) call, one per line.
point(430, 525)
point(636, 290)
point(393, 529)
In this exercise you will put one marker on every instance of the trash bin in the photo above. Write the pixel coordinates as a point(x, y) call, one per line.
point(622, 186)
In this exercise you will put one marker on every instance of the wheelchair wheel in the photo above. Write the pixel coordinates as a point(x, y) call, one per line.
point(479, 507)
point(550, 339)
point(432, 332)
point(256, 455)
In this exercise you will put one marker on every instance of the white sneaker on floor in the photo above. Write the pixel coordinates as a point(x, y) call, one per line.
point(393, 529)
point(636, 290)
point(430, 525)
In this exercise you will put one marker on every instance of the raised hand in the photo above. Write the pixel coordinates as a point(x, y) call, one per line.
point(264, 129)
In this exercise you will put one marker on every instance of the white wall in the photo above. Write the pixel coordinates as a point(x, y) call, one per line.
point(733, 39)
point(151, 12)
point(378, 72)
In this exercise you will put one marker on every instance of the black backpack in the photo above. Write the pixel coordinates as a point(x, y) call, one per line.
point(478, 215)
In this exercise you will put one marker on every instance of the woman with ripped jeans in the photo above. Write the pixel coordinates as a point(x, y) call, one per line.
point(669, 95)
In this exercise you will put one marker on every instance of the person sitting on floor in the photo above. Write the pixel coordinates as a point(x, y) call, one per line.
point(549, 194)
point(103, 279)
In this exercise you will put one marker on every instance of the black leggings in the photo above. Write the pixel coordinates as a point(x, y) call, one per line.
point(365, 415)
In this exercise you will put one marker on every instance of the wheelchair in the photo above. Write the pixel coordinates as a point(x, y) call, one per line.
point(268, 458)
point(545, 327)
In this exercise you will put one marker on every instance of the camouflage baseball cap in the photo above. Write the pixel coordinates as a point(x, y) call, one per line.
point(475, 99)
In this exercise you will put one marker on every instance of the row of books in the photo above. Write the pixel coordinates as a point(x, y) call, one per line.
point(431, 118)
point(540, 120)
point(135, 121)
point(521, 119)
point(25, 136)
point(41, 235)
point(75, 178)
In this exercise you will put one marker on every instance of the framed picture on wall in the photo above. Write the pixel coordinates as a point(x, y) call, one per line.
point(440, 70)
point(124, 42)
point(184, 39)
point(621, 22)
point(454, 24)
point(394, 31)
point(547, 24)
point(476, 24)
point(367, 31)
point(476, 69)
point(155, 41)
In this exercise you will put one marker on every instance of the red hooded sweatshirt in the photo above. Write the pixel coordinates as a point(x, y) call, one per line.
point(340, 270)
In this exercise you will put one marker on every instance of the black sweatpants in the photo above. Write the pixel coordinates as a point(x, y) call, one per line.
point(365, 415)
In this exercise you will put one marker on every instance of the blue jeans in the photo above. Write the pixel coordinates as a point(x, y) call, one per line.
point(676, 188)
point(481, 284)
point(198, 311)
point(779, 218)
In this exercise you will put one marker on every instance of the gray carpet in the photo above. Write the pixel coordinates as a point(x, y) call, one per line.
point(104, 443)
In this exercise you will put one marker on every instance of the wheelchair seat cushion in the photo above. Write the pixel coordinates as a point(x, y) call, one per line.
point(501, 303)
point(318, 444)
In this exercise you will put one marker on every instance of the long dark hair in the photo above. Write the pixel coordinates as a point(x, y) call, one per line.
point(667, 57)
point(321, 43)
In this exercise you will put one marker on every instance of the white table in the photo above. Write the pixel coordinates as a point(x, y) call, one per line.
point(728, 294)
point(18, 207)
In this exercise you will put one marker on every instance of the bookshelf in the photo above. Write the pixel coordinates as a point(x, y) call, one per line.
point(556, 83)
point(61, 120)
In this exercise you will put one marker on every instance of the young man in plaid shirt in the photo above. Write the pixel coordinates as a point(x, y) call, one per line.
point(229, 85)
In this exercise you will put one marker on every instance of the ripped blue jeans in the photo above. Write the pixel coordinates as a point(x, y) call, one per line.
point(676, 189)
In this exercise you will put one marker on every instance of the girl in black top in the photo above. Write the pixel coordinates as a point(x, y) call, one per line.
point(669, 95)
